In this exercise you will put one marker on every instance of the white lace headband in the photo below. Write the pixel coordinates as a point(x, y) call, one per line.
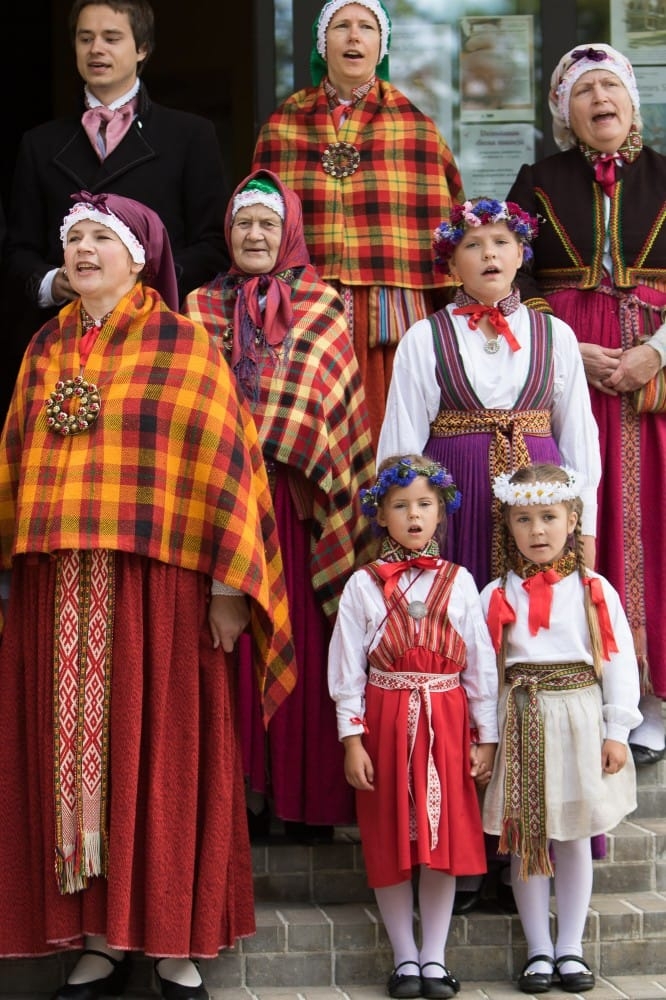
point(524, 494)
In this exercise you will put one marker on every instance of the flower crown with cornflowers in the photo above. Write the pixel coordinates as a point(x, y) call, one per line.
point(403, 473)
point(483, 212)
point(525, 494)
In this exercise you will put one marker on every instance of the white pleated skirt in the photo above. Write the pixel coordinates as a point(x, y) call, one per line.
point(581, 800)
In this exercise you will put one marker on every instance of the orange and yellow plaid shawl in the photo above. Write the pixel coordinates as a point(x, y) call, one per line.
point(374, 227)
point(171, 470)
point(311, 416)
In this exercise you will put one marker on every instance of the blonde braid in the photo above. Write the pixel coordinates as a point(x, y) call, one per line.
point(507, 556)
point(591, 613)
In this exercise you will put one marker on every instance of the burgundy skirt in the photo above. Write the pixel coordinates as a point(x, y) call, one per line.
point(180, 874)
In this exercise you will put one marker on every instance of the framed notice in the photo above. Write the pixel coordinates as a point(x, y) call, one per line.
point(496, 68)
point(491, 155)
point(638, 30)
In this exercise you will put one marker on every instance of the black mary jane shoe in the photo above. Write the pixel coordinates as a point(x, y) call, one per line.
point(644, 756)
point(176, 991)
point(575, 982)
point(536, 982)
point(112, 985)
point(438, 987)
point(404, 987)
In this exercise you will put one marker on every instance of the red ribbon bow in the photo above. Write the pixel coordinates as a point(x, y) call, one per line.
point(390, 572)
point(604, 172)
point(476, 311)
point(500, 613)
point(606, 629)
point(539, 588)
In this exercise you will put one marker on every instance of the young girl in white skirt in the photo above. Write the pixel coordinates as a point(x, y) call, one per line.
point(569, 694)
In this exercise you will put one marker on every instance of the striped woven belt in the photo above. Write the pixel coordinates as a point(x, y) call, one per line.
point(508, 427)
point(524, 821)
point(420, 686)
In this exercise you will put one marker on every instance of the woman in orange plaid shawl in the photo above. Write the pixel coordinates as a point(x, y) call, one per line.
point(284, 332)
point(130, 478)
point(374, 175)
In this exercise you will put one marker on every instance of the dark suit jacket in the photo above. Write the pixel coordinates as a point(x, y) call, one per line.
point(169, 159)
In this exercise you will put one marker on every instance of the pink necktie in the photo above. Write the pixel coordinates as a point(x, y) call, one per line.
point(110, 126)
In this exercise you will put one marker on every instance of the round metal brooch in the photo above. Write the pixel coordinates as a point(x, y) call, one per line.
point(340, 159)
point(417, 609)
point(59, 419)
point(492, 346)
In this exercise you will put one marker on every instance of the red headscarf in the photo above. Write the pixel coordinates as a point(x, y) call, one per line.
point(276, 319)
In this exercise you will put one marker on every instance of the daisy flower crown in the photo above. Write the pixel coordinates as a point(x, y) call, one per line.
point(403, 473)
point(483, 212)
point(525, 494)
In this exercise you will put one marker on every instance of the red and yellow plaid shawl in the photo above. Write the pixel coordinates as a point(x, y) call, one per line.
point(171, 470)
point(374, 227)
point(311, 416)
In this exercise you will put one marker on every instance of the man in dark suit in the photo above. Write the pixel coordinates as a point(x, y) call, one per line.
point(120, 142)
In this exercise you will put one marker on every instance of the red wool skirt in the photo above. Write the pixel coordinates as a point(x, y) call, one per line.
point(389, 850)
point(180, 874)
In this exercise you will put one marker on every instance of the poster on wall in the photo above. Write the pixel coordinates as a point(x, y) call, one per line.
point(496, 60)
point(491, 155)
point(650, 80)
point(638, 29)
point(426, 80)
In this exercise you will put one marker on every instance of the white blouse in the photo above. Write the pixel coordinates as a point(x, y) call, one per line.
point(360, 624)
point(497, 379)
point(567, 640)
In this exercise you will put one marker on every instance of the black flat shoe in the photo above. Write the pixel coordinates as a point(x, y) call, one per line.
point(176, 991)
point(536, 982)
point(466, 900)
point(575, 982)
point(438, 987)
point(404, 987)
point(112, 985)
point(644, 756)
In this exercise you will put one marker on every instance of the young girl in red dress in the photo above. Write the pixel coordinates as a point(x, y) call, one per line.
point(412, 672)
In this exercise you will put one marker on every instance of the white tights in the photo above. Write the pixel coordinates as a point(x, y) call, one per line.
point(572, 861)
point(436, 891)
point(91, 967)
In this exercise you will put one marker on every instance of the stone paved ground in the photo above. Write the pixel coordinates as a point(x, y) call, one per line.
point(618, 988)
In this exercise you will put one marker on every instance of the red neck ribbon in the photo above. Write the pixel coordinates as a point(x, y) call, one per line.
point(604, 172)
point(390, 571)
point(476, 311)
point(539, 588)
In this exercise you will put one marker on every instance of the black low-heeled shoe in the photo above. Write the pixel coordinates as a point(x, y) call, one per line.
point(176, 991)
point(404, 987)
point(112, 985)
point(575, 982)
point(438, 987)
point(536, 982)
point(645, 756)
